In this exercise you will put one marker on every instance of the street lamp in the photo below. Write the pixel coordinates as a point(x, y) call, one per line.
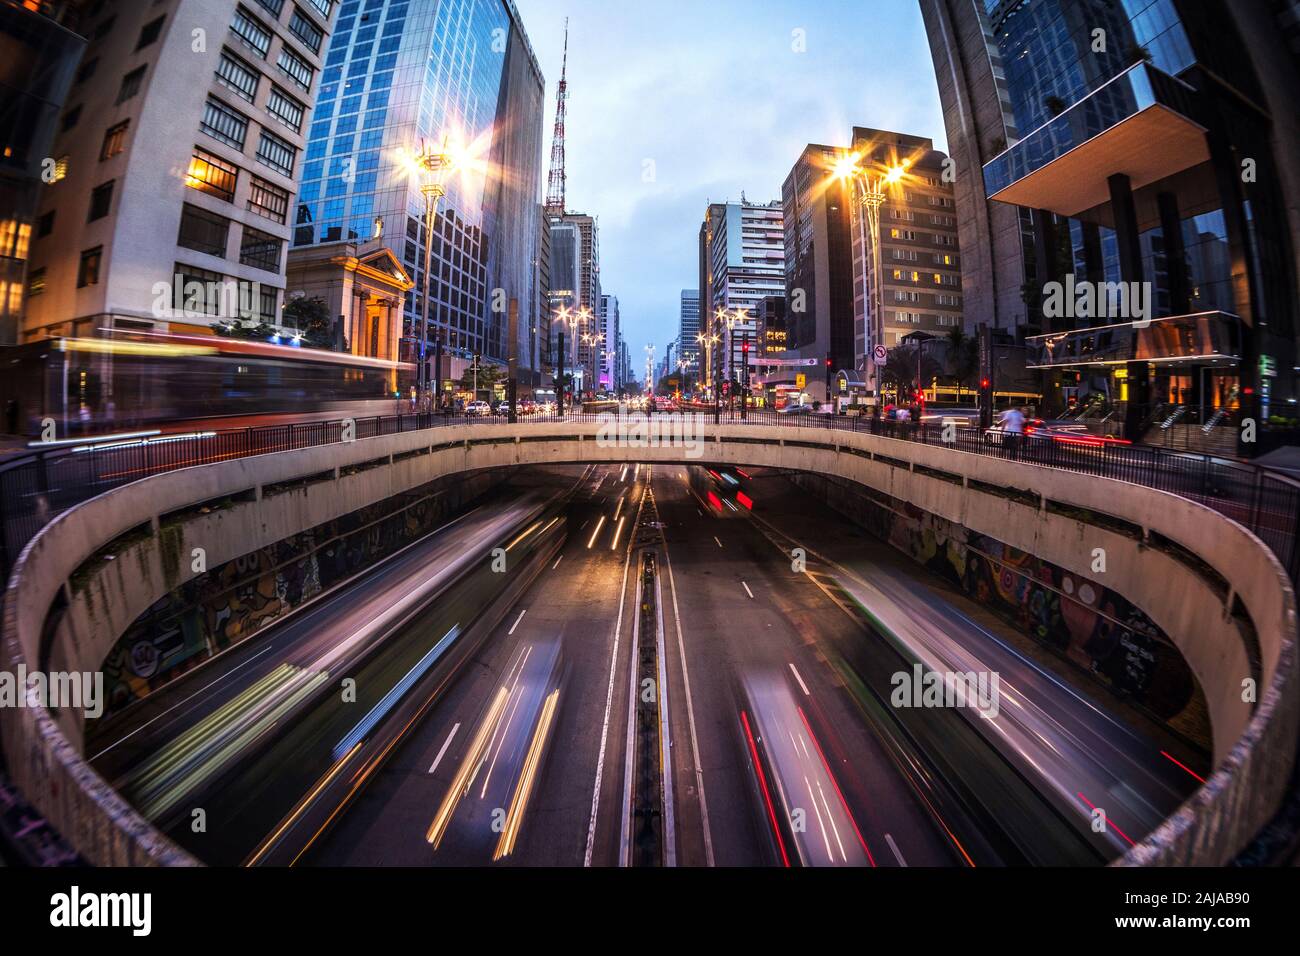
point(431, 164)
point(711, 341)
point(870, 186)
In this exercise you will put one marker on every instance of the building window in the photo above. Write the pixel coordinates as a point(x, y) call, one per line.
point(212, 175)
point(260, 250)
point(87, 70)
point(285, 108)
point(88, 269)
point(306, 31)
point(70, 118)
point(198, 290)
point(324, 6)
point(36, 282)
point(114, 140)
point(237, 76)
point(251, 32)
point(295, 67)
point(101, 199)
point(268, 201)
point(276, 153)
point(224, 124)
point(273, 6)
point(203, 231)
point(261, 297)
point(149, 34)
point(130, 84)
point(45, 225)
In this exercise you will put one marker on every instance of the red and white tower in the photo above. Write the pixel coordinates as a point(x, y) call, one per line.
point(555, 182)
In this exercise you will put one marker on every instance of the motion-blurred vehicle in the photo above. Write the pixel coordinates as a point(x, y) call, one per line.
point(477, 409)
point(795, 410)
point(994, 434)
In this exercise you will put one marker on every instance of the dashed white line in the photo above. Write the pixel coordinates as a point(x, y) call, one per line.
point(447, 743)
point(557, 562)
point(747, 590)
point(894, 846)
point(517, 620)
point(802, 685)
point(715, 538)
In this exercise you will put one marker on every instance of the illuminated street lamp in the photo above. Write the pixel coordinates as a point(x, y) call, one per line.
point(431, 164)
point(870, 186)
point(710, 342)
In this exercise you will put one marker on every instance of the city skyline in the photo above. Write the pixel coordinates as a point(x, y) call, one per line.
point(696, 156)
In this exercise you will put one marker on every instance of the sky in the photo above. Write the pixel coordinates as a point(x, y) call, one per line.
point(675, 104)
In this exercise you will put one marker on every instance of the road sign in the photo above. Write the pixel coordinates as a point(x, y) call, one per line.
point(800, 380)
point(880, 353)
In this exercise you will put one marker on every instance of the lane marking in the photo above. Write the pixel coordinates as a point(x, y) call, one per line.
point(690, 714)
point(715, 538)
point(557, 562)
point(609, 700)
point(747, 590)
point(599, 524)
point(517, 620)
point(802, 685)
point(894, 846)
point(447, 743)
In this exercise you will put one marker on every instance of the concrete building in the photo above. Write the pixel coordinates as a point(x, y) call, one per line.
point(688, 327)
point(364, 285)
point(741, 260)
point(42, 53)
point(398, 75)
point(819, 272)
point(175, 166)
point(921, 281)
point(609, 336)
point(1149, 147)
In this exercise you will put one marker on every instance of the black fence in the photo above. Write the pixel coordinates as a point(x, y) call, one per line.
point(37, 486)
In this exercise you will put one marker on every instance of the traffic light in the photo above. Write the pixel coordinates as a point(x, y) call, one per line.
point(984, 384)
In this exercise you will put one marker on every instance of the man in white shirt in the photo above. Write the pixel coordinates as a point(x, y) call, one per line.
point(1013, 428)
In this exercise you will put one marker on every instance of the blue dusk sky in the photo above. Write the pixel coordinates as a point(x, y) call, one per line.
point(675, 104)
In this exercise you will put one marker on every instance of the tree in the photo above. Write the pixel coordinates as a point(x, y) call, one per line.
point(488, 376)
point(900, 367)
point(311, 317)
point(963, 358)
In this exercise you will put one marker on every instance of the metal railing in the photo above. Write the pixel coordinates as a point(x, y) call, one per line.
point(37, 486)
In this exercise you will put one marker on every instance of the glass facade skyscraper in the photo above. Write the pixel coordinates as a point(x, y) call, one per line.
point(400, 73)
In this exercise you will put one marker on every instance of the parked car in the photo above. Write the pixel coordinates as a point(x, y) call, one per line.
point(478, 409)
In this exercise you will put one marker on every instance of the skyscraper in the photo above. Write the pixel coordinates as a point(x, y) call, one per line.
point(688, 327)
point(742, 260)
point(819, 273)
point(1148, 144)
point(399, 75)
point(609, 335)
point(174, 166)
point(919, 254)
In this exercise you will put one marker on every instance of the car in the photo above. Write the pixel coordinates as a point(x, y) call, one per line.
point(795, 410)
point(527, 407)
point(478, 409)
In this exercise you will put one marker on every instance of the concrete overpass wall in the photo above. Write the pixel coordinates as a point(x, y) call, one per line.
point(1211, 586)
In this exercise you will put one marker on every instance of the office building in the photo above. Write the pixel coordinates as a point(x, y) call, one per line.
point(688, 327)
point(741, 260)
point(403, 76)
point(1148, 144)
point(609, 335)
point(174, 167)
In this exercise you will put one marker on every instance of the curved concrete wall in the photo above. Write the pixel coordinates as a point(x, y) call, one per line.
point(1059, 516)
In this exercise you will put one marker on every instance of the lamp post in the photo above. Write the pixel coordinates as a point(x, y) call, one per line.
point(870, 187)
point(562, 313)
point(433, 166)
point(711, 342)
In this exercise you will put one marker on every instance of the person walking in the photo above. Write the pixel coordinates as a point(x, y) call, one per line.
point(1013, 430)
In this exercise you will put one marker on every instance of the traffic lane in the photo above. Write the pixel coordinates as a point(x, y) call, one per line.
point(1139, 767)
point(728, 634)
point(301, 639)
point(575, 600)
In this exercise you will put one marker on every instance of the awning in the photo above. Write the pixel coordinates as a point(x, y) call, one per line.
point(1200, 337)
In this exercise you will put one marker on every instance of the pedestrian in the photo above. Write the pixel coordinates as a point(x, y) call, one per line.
point(1013, 429)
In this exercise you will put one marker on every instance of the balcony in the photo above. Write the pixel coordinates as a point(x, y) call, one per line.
point(1201, 337)
point(1137, 124)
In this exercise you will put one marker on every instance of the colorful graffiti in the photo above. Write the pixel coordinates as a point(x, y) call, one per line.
point(228, 604)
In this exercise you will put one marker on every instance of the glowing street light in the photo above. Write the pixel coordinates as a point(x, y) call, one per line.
point(871, 185)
